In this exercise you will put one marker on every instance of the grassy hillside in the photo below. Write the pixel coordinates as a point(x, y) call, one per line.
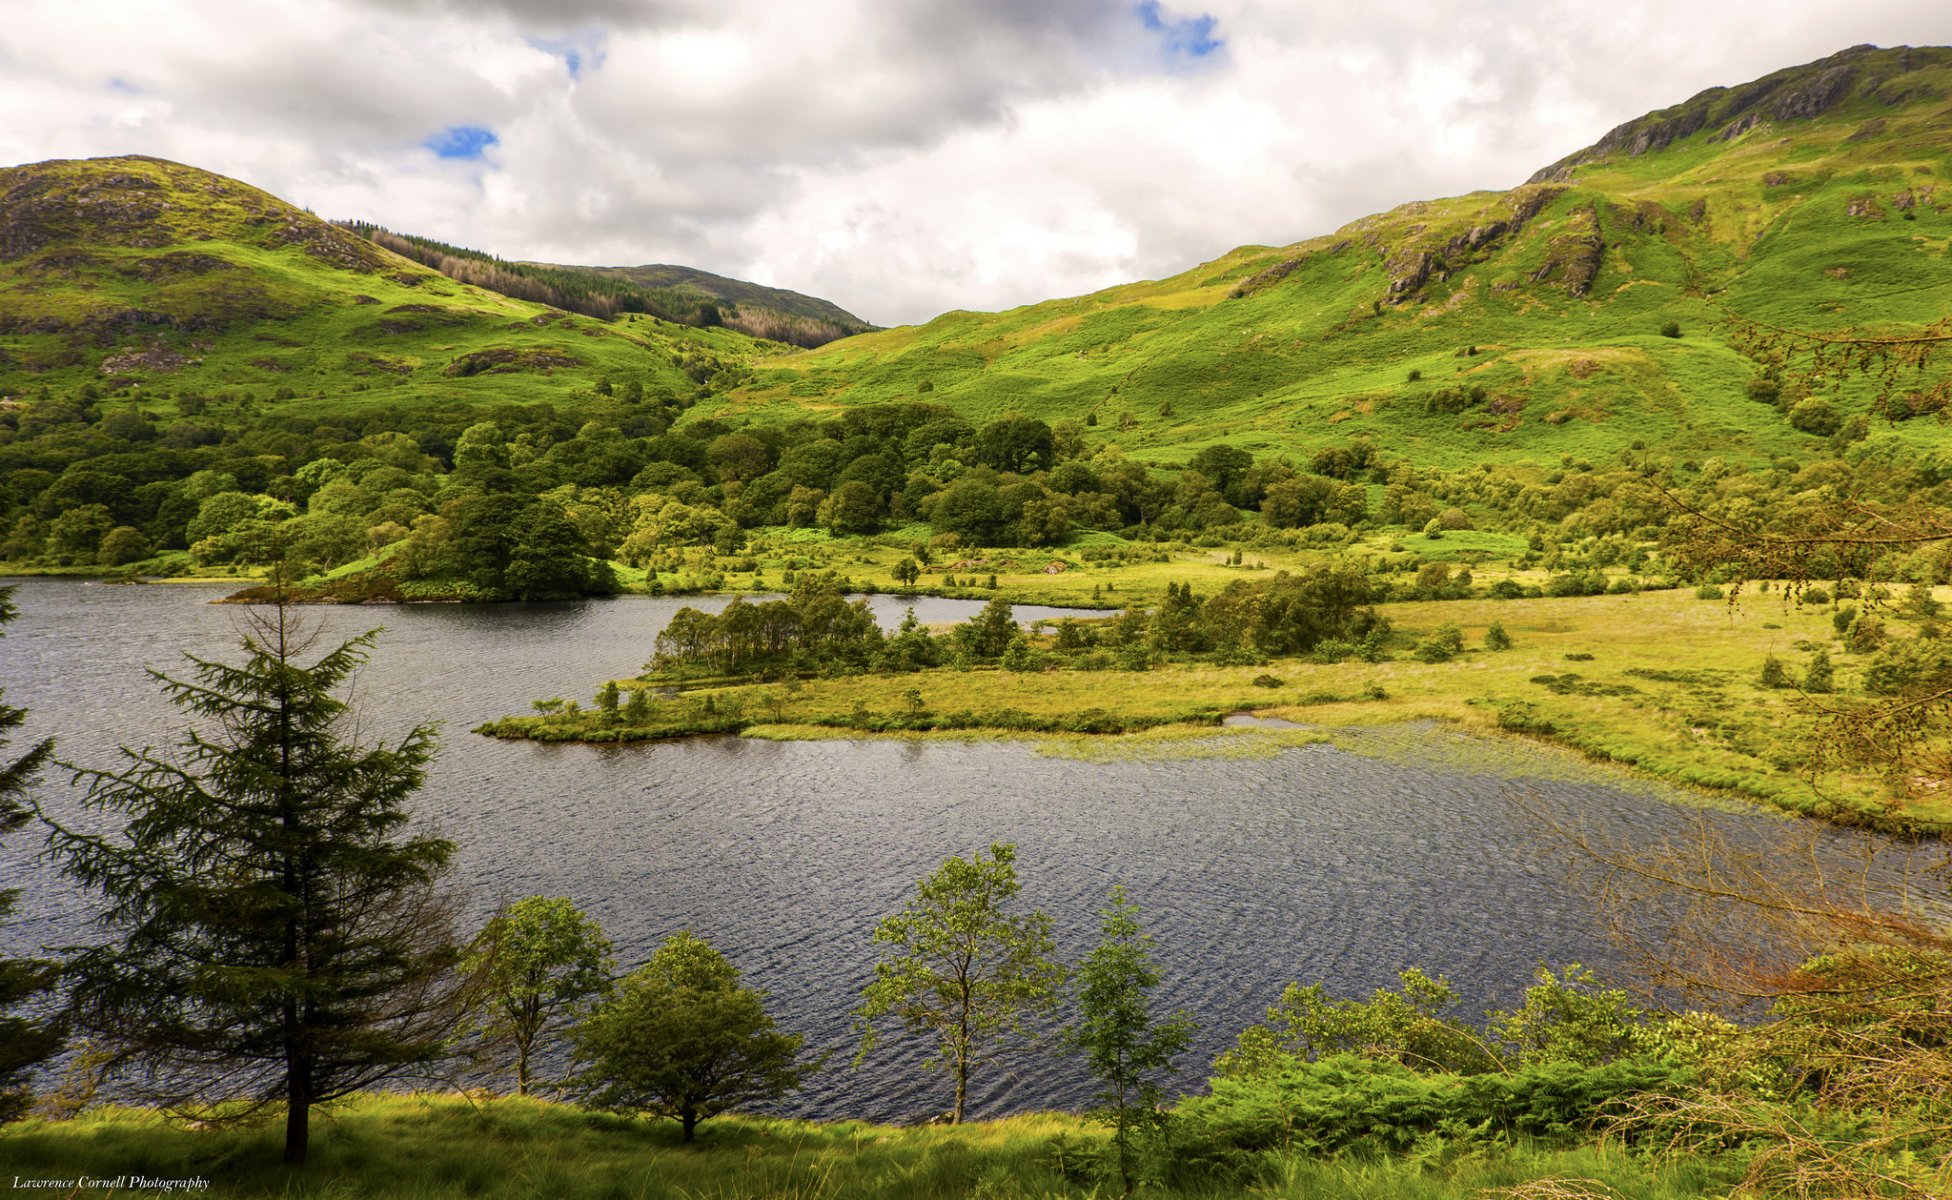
point(1810, 199)
point(150, 277)
point(682, 295)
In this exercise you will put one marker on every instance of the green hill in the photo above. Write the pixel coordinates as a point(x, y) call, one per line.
point(1504, 326)
point(684, 295)
point(146, 276)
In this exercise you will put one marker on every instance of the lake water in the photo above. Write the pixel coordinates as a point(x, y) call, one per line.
point(1313, 864)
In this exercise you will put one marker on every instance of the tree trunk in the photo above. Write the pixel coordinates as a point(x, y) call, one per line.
point(298, 1115)
point(689, 1119)
point(962, 1089)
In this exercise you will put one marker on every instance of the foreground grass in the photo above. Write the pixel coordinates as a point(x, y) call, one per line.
point(1661, 682)
point(435, 1146)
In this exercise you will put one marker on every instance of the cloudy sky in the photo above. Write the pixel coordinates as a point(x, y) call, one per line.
point(900, 157)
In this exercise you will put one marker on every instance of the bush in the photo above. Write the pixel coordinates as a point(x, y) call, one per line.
point(1343, 1103)
point(1775, 674)
point(1495, 638)
point(1818, 418)
point(1865, 635)
point(1442, 646)
point(1671, 330)
point(1820, 677)
point(1708, 591)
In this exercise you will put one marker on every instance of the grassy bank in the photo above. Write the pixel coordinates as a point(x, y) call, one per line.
point(1665, 683)
point(427, 1147)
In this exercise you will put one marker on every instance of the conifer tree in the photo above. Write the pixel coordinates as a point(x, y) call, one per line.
point(276, 933)
point(24, 1042)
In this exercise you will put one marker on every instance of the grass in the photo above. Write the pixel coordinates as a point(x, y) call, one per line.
point(1292, 348)
point(256, 303)
point(436, 1147)
point(1596, 674)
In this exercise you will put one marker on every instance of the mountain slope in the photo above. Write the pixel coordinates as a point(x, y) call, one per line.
point(139, 273)
point(1519, 325)
point(684, 295)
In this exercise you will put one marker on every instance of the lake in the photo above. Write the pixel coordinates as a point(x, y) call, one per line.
point(1314, 864)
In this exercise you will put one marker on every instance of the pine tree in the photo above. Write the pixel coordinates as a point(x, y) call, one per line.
point(277, 935)
point(1125, 1048)
point(24, 1042)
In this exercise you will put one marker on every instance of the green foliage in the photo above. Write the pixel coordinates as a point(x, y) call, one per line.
point(958, 967)
point(1442, 646)
point(679, 1038)
point(280, 939)
point(25, 1041)
point(1344, 1103)
point(535, 967)
point(1414, 1026)
point(1820, 677)
point(1569, 1018)
point(1775, 673)
point(813, 626)
point(1124, 1047)
point(1495, 638)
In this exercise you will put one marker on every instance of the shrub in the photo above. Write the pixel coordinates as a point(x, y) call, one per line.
point(1671, 330)
point(1495, 638)
point(1865, 636)
point(1345, 1103)
point(1820, 677)
point(1818, 418)
point(1708, 591)
point(1442, 646)
point(1775, 674)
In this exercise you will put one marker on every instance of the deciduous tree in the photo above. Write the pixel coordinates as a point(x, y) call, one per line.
point(961, 968)
point(536, 965)
point(680, 1038)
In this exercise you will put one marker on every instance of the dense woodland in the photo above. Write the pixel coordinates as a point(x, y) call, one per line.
point(457, 497)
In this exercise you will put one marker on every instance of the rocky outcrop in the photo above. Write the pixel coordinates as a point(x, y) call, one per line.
point(1797, 94)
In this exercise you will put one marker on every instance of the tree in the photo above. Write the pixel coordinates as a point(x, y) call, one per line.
point(680, 1038)
point(536, 964)
point(24, 1042)
point(1124, 1047)
point(278, 935)
point(959, 967)
point(906, 572)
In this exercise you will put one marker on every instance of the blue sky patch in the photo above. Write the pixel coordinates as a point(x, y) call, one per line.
point(577, 54)
point(118, 84)
point(462, 141)
point(1181, 37)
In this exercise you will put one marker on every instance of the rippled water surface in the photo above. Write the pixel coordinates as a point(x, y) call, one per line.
point(1314, 864)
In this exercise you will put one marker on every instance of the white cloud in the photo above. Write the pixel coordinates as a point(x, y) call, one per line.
point(900, 159)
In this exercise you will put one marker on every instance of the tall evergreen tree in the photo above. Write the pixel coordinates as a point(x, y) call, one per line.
point(24, 1042)
point(1125, 1047)
point(277, 935)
